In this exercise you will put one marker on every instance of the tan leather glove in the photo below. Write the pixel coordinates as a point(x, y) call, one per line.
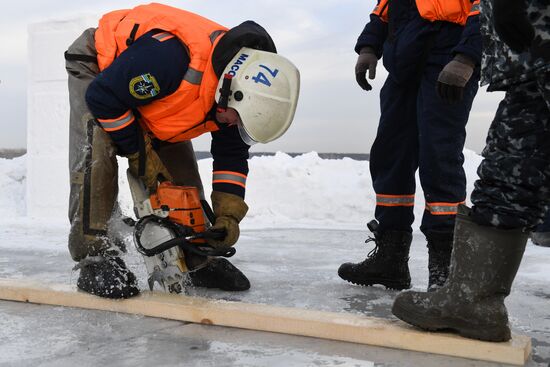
point(229, 210)
point(153, 166)
point(454, 77)
point(366, 61)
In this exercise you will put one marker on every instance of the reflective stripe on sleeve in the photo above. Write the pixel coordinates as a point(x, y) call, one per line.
point(443, 208)
point(118, 123)
point(229, 177)
point(394, 200)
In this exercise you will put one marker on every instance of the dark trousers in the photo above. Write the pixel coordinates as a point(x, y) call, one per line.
point(417, 130)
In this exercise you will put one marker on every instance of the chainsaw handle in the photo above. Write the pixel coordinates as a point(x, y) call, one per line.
point(210, 234)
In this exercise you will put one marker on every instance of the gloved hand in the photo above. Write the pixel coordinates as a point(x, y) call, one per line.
point(229, 210)
point(512, 25)
point(454, 77)
point(367, 60)
point(153, 166)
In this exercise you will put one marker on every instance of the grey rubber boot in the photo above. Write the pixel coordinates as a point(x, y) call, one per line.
point(484, 263)
point(387, 264)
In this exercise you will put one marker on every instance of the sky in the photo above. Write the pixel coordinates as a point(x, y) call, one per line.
point(334, 114)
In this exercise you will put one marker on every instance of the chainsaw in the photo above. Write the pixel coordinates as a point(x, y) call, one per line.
point(172, 226)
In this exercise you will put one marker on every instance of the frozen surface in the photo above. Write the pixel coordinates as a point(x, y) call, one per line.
point(287, 267)
point(307, 217)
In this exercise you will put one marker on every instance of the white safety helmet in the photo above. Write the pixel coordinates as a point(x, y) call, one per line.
point(264, 91)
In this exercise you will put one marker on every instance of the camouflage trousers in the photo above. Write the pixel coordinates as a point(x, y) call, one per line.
point(514, 186)
point(93, 211)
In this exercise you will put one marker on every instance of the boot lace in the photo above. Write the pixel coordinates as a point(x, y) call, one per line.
point(374, 251)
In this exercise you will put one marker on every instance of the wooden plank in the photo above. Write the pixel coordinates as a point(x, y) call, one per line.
point(326, 325)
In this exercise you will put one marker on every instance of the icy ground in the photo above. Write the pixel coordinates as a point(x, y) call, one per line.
point(291, 258)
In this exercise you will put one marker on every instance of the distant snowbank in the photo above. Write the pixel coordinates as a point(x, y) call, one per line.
point(12, 186)
point(305, 191)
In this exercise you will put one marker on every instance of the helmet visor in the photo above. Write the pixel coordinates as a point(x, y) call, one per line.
point(245, 136)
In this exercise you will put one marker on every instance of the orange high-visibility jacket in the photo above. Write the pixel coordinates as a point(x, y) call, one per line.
point(181, 115)
point(454, 11)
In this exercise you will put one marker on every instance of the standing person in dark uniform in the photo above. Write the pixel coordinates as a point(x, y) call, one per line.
point(512, 195)
point(431, 49)
point(142, 85)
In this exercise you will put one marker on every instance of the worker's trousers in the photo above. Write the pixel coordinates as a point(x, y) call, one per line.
point(93, 212)
point(514, 186)
point(419, 131)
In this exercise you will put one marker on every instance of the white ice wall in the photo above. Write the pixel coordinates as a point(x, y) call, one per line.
point(48, 116)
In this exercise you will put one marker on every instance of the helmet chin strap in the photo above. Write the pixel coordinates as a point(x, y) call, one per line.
point(225, 93)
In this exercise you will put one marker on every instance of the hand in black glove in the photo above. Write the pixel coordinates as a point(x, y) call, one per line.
point(512, 25)
point(454, 77)
point(367, 60)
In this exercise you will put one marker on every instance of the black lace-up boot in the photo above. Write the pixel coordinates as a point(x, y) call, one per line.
point(219, 273)
point(387, 264)
point(440, 246)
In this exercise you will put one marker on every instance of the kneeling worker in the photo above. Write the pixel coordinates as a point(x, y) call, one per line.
point(142, 85)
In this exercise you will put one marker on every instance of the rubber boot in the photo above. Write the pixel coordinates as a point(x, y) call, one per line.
point(440, 246)
point(484, 263)
point(106, 276)
point(219, 273)
point(387, 264)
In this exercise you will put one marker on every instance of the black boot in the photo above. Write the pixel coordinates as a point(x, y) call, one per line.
point(541, 238)
point(387, 264)
point(440, 246)
point(106, 276)
point(219, 273)
point(484, 263)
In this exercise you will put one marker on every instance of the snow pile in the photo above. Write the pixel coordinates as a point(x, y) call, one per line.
point(12, 186)
point(308, 191)
point(305, 191)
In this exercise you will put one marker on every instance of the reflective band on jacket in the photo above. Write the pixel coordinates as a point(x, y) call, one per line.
point(193, 76)
point(118, 123)
point(164, 36)
point(215, 35)
point(229, 177)
point(443, 208)
point(394, 200)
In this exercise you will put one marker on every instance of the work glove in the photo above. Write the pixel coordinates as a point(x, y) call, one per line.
point(154, 168)
point(366, 61)
point(454, 77)
point(229, 210)
point(512, 25)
